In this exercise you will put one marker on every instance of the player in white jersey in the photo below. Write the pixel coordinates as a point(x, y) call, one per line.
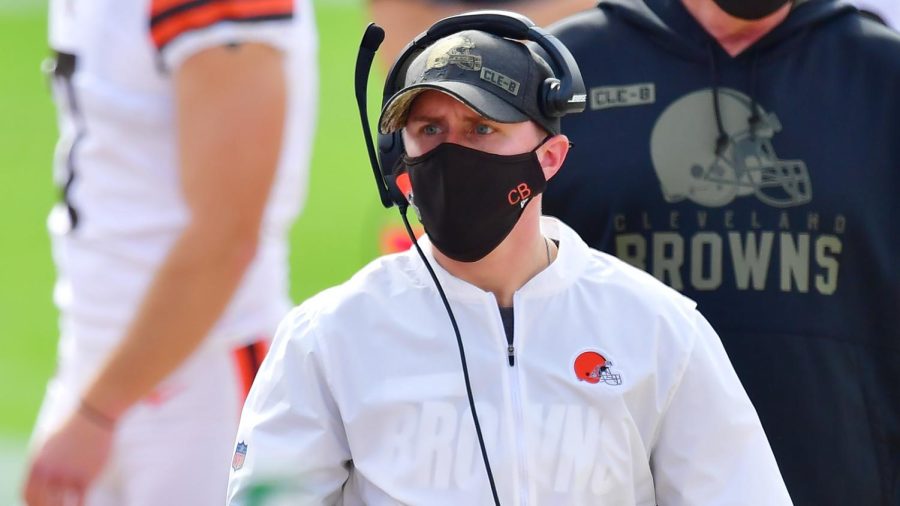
point(185, 133)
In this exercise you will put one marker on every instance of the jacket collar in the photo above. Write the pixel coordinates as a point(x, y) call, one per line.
point(566, 269)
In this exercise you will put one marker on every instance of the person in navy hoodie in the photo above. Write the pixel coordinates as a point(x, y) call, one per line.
point(747, 153)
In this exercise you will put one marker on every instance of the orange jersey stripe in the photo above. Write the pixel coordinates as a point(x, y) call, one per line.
point(158, 7)
point(204, 15)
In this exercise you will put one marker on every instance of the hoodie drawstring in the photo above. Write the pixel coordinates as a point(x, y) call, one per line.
point(722, 139)
point(753, 121)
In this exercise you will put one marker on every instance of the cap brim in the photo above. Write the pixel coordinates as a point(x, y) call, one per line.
point(482, 101)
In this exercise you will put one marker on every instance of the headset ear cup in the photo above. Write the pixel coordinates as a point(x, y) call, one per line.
point(552, 104)
point(390, 150)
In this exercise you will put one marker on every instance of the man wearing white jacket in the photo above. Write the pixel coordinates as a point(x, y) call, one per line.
point(593, 383)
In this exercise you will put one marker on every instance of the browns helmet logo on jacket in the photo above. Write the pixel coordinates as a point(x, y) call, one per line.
point(593, 367)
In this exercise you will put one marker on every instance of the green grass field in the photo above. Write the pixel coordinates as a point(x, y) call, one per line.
point(336, 234)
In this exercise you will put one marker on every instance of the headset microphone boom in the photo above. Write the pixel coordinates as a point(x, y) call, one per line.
point(390, 195)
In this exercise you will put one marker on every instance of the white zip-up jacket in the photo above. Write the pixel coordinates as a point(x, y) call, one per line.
point(620, 394)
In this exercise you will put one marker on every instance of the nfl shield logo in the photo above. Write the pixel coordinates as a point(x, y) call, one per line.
point(239, 453)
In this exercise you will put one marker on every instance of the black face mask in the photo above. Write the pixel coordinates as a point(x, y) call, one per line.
point(750, 10)
point(468, 200)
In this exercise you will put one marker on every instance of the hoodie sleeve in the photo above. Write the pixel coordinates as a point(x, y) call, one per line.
point(711, 448)
point(291, 445)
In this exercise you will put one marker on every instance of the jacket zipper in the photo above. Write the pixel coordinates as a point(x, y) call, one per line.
point(518, 416)
point(510, 347)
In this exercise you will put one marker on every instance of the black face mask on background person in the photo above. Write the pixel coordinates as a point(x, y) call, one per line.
point(750, 10)
point(468, 200)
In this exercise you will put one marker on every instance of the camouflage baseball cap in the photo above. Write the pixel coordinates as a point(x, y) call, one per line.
point(499, 78)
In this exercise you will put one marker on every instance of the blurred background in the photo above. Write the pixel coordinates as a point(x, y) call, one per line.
point(338, 232)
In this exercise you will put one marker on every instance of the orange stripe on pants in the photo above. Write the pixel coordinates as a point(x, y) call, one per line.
point(247, 361)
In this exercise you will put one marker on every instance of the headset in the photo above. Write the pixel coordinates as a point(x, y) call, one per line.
point(560, 95)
